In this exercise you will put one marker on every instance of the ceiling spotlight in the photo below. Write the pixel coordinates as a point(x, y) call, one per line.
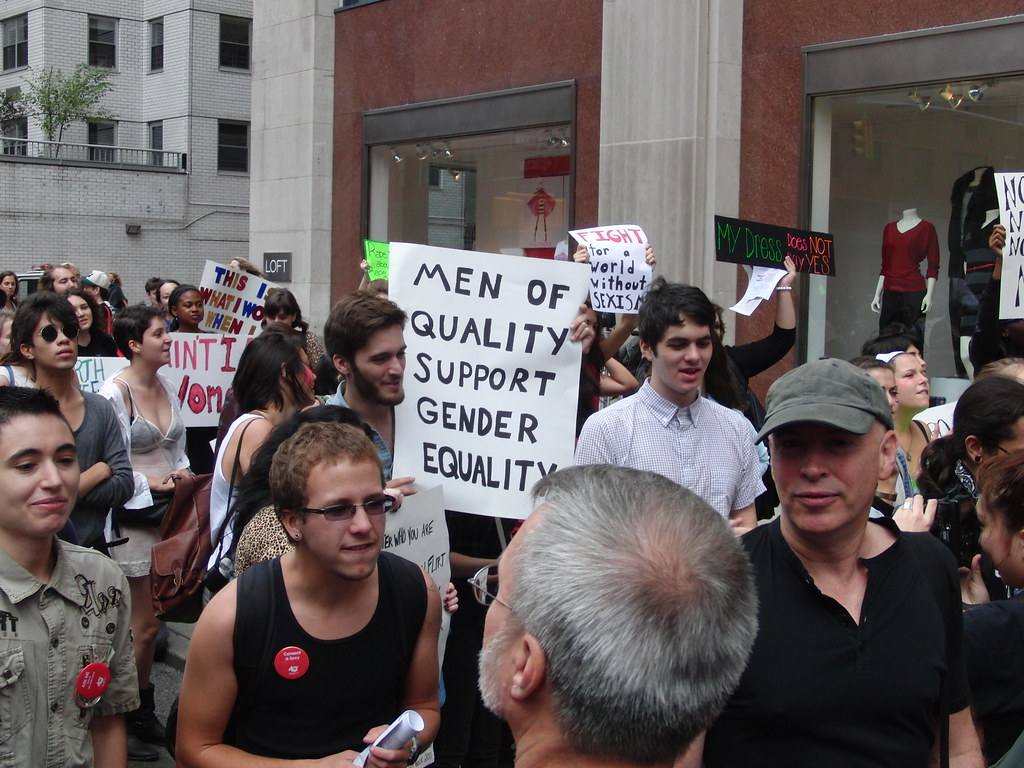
point(923, 102)
point(563, 141)
point(448, 150)
point(455, 174)
point(395, 157)
point(977, 93)
point(951, 98)
point(552, 140)
point(434, 152)
point(421, 152)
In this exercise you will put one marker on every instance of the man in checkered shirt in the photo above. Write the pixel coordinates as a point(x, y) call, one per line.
point(669, 427)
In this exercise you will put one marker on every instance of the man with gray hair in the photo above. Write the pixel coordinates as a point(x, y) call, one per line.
point(621, 617)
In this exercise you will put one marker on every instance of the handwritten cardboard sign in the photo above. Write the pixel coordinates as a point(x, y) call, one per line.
point(1010, 188)
point(619, 275)
point(764, 245)
point(202, 367)
point(492, 378)
point(233, 300)
point(376, 254)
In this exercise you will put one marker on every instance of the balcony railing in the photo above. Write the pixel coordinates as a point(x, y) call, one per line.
point(65, 153)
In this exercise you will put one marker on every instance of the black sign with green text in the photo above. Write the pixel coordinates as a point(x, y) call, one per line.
point(765, 245)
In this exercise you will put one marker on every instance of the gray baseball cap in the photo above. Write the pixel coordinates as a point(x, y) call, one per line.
point(827, 391)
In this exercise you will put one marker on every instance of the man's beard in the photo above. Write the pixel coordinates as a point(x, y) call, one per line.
point(369, 391)
point(490, 659)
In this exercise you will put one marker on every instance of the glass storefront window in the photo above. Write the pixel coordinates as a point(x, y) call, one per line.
point(506, 192)
point(879, 153)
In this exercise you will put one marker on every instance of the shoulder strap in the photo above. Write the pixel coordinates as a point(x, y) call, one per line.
point(10, 375)
point(254, 617)
point(231, 491)
point(924, 430)
point(936, 576)
point(131, 398)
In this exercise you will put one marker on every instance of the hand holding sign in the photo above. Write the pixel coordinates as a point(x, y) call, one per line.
point(619, 273)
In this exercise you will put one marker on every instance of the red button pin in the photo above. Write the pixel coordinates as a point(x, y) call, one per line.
point(92, 682)
point(291, 663)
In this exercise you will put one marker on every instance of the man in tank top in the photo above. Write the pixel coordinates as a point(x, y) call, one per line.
point(314, 654)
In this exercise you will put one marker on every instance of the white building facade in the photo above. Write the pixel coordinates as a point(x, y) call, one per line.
point(172, 190)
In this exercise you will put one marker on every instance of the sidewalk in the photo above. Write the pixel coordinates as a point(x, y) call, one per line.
point(177, 646)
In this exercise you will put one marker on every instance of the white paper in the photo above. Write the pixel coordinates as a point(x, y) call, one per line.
point(619, 274)
point(760, 286)
point(397, 735)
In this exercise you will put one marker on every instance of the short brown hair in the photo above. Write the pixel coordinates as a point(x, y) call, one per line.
point(354, 319)
point(311, 445)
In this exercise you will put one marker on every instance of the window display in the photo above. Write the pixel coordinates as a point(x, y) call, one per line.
point(908, 193)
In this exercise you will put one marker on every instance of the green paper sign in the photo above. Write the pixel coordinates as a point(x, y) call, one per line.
point(377, 257)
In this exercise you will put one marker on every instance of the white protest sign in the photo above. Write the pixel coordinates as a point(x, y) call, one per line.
point(201, 369)
point(418, 532)
point(233, 300)
point(1010, 188)
point(619, 274)
point(492, 378)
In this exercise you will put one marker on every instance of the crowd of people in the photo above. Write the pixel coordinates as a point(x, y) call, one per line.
point(827, 578)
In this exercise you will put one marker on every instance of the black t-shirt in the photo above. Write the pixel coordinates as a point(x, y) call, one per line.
point(100, 345)
point(821, 690)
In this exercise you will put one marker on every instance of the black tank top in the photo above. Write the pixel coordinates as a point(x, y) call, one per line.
point(352, 684)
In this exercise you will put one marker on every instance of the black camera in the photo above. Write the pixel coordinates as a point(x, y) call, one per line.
point(956, 525)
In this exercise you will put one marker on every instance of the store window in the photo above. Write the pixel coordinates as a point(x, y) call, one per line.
point(102, 42)
point(904, 135)
point(498, 193)
point(909, 199)
point(488, 185)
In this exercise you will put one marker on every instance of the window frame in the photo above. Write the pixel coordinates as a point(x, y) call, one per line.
point(96, 154)
point(155, 130)
point(19, 46)
point(224, 150)
point(96, 46)
point(230, 50)
point(156, 49)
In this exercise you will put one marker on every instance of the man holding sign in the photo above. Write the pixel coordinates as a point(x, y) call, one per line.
point(668, 427)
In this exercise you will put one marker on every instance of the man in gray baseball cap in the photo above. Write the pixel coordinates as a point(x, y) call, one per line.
point(858, 659)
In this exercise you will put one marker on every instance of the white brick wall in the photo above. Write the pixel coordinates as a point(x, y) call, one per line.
point(49, 213)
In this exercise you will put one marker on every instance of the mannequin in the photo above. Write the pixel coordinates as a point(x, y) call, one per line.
point(902, 294)
point(975, 205)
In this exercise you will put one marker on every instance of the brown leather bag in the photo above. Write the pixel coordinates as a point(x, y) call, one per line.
point(179, 559)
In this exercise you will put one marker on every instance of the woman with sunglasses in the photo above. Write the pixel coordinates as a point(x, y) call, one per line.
point(44, 351)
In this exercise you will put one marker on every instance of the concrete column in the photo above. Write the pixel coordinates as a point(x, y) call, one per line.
point(670, 129)
point(292, 145)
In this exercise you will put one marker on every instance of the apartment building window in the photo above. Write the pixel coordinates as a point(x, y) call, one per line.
point(14, 132)
point(156, 141)
point(102, 42)
point(156, 45)
point(232, 146)
point(14, 33)
point(234, 42)
point(102, 133)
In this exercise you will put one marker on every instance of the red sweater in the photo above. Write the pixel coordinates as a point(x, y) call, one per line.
point(902, 252)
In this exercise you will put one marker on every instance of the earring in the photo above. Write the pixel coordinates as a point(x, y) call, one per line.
point(977, 459)
point(297, 536)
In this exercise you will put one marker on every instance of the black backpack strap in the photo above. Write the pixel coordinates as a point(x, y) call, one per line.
point(938, 580)
point(255, 613)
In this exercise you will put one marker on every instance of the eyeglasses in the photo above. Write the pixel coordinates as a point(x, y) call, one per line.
point(481, 591)
point(339, 513)
point(48, 333)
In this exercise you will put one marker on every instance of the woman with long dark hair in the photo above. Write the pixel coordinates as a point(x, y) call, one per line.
point(93, 340)
point(271, 385)
point(282, 307)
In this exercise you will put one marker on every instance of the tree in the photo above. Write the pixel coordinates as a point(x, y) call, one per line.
point(56, 100)
point(10, 108)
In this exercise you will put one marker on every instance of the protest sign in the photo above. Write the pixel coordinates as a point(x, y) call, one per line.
point(619, 274)
point(418, 532)
point(201, 369)
point(1010, 188)
point(764, 245)
point(377, 257)
point(492, 378)
point(233, 300)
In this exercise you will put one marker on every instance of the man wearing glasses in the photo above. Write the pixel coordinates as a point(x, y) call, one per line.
point(313, 655)
point(621, 617)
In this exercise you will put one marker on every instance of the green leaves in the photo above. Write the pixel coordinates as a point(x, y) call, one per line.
point(57, 99)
